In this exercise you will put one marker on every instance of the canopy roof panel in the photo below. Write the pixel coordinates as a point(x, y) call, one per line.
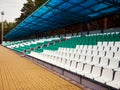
point(55, 14)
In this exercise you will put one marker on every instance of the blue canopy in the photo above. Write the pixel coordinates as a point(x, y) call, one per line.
point(55, 14)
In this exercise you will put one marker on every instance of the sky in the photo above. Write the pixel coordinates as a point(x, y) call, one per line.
point(11, 9)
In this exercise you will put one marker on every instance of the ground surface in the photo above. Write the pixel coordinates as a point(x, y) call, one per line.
point(18, 73)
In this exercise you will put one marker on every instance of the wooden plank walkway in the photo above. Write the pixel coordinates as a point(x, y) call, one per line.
point(18, 73)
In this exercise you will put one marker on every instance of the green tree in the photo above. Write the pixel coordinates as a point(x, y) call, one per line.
point(27, 9)
point(38, 3)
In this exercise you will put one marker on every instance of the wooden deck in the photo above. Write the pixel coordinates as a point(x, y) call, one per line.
point(18, 73)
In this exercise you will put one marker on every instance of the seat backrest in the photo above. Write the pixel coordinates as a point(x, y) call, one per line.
point(95, 60)
point(77, 56)
point(117, 44)
point(107, 74)
point(114, 48)
point(89, 47)
point(88, 59)
point(87, 68)
point(102, 53)
point(96, 71)
point(114, 63)
point(105, 44)
point(89, 52)
point(107, 48)
point(80, 66)
point(82, 58)
point(110, 44)
point(94, 47)
point(99, 43)
point(117, 76)
point(104, 61)
point(95, 53)
point(68, 62)
point(117, 55)
point(73, 64)
point(100, 48)
point(109, 54)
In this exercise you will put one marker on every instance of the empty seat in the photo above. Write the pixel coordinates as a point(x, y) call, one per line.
point(116, 81)
point(67, 64)
point(88, 59)
point(82, 58)
point(96, 72)
point(102, 53)
point(62, 64)
point(114, 63)
point(86, 70)
point(95, 60)
point(84, 51)
point(95, 53)
point(94, 48)
point(77, 56)
point(78, 68)
point(117, 44)
point(99, 43)
point(114, 48)
point(89, 52)
point(117, 55)
point(107, 48)
point(111, 44)
point(89, 47)
point(100, 48)
point(103, 62)
point(109, 54)
point(73, 65)
point(105, 44)
point(107, 75)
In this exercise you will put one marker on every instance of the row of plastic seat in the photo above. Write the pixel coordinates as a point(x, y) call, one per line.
point(89, 70)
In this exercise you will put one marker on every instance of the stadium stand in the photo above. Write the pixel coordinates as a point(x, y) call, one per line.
point(89, 57)
point(94, 56)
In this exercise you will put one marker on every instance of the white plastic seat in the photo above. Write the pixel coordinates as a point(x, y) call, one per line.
point(84, 51)
point(117, 55)
point(102, 53)
point(107, 48)
point(89, 52)
point(89, 47)
point(111, 44)
point(107, 75)
point(96, 72)
point(117, 44)
point(86, 70)
point(100, 48)
point(77, 57)
point(78, 68)
point(99, 43)
point(116, 81)
point(88, 59)
point(105, 44)
point(73, 65)
point(82, 58)
point(95, 53)
point(114, 63)
point(85, 47)
point(72, 55)
point(114, 48)
point(109, 54)
point(103, 62)
point(94, 48)
point(67, 64)
point(95, 60)
point(62, 64)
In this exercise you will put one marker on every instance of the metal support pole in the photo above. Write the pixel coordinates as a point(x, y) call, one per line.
point(2, 13)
